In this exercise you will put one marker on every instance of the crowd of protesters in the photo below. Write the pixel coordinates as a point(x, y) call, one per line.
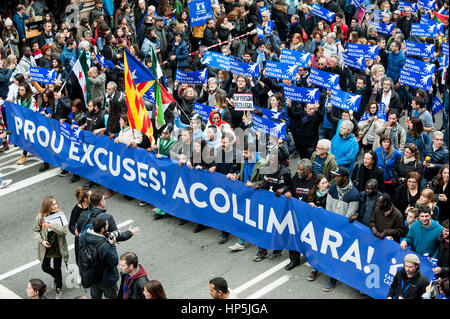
point(391, 174)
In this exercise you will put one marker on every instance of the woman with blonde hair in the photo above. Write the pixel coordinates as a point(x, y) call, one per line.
point(427, 199)
point(52, 244)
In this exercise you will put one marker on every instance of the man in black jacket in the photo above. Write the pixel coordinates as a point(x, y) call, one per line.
point(442, 266)
point(209, 36)
point(133, 277)
point(107, 254)
point(409, 282)
point(97, 209)
point(305, 125)
point(280, 183)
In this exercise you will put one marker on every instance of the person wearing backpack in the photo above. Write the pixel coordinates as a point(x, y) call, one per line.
point(52, 242)
point(99, 260)
point(84, 222)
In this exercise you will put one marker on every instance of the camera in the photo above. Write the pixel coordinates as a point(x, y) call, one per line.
point(112, 235)
point(7, 132)
point(435, 282)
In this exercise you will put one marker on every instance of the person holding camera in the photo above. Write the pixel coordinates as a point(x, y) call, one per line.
point(108, 257)
point(98, 210)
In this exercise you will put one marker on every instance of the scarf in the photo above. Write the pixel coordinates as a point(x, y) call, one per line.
point(412, 159)
point(342, 191)
point(320, 193)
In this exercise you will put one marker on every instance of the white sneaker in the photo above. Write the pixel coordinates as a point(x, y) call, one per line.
point(237, 247)
point(59, 293)
point(5, 183)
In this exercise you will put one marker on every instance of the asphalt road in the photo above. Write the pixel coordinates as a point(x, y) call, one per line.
point(183, 261)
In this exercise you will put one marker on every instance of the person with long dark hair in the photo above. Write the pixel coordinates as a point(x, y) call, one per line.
point(409, 162)
point(440, 188)
point(407, 194)
point(52, 242)
point(417, 135)
point(366, 170)
point(388, 156)
point(83, 197)
point(153, 289)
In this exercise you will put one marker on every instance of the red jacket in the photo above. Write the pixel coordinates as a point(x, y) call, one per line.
point(344, 28)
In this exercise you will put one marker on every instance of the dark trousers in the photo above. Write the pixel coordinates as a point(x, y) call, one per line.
point(110, 292)
point(55, 272)
point(294, 256)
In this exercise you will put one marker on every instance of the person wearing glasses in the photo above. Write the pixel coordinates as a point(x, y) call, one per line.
point(438, 152)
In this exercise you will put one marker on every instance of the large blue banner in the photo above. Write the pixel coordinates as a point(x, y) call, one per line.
point(322, 13)
point(418, 80)
point(197, 77)
point(301, 94)
point(269, 127)
point(43, 75)
point(199, 12)
point(323, 79)
point(364, 50)
point(346, 251)
point(281, 70)
point(295, 57)
point(245, 69)
point(420, 49)
point(354, 62)
point(345, 100)
point(217, 60)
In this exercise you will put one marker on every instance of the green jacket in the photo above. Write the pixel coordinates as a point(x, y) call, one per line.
point(257, 177)
point(329, 165)
point(41, 234)
point(165, 146)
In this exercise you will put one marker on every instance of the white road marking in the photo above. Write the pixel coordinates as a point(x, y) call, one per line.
point(37, 262)
point(261, 292)
point(5, 293)
point(17, 168)
point(264, 275)
point(29, 181)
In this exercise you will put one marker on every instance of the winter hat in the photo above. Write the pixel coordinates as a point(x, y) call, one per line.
point(8, 22)
point(412, 258)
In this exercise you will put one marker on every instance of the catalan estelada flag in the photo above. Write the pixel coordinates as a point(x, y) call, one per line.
point(137, 114)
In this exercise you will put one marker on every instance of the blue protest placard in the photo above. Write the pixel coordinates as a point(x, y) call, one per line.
point(107, 64)
point(295, 57)
point(418, 66)
point(199, 12)
point(43, 75)
point(268, 114)
point(269, 28)
point(415, 79)
point(378, 15)
point(272, 128)
point(424, 30)
point(364, 50)
point(348, 252)
point(429, 22)
point(197, 77)
point(281, 70)
point(420, 49)
point(427, 4)
point(217, 60)
point(203, 110)
point(437, 105)
point(301, 94)
point(357, 3)
point(245, 69)
point(75, 135)
point(354, 62)
point(443, 62)
point(322, 13)
point(345, 100)
point(445, 49)
point(406, 4)
point(323, 79)
point(382, 28)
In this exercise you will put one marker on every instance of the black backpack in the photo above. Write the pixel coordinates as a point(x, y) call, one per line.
point(90, 265)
